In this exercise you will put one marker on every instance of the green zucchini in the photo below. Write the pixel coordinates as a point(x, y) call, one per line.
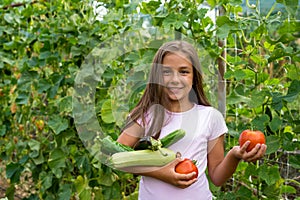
point(172, 137)
point(138, 158)
point(110, 146)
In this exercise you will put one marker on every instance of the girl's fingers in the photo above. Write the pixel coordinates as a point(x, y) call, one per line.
point(244, 147)
point(187, 182)
point(186, 177)
point(256, 153)
point(175, 162)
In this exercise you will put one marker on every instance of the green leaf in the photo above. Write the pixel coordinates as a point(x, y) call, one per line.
point(257, 99)
point(22, 98)
point(277, 103)
point(287, 189)
point(13, 172)
point(82, 162)
point(108, 179)
point(294, 161)
point(212, 3)
point(258, 32)
point(58, 124)
point(34, 146)
point(270, 174)
point(293, 91)
point(235, 98)
point(26, 79)
point(291, 6)
point(106, 112)
point(9, 18)
point(170, 20)
point(251, 170)
point(223, 31)
point(137, 76)
point(65, 191)
point(112, 192)
point(175, 20)
point(293, 72)
point(56, 161)
point(40, 159)
point(262, 77)
point(279, 52)
point(44, 55)
point(225, 20)
point(65, 104)
point(99, 196)
point(86, 194)
point(46, 181)
point(56, 80)
point(287, 141)
point(244, 193)
point(260, 122)
point(150, 7)
point(82, 187)
point(10, 45)
point(273, 144)
point(43, 85)
point(239, 74)
point(80, 184)
point(2, 130)
point(275, 123)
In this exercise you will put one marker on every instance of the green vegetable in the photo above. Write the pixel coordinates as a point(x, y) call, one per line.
point(172, 137)
point(146, 157)
point(143, 143)
point(110, 146)
point(148, 142)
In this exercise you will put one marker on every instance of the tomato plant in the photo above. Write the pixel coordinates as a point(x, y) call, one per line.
point(187, 166)
point(254, 136)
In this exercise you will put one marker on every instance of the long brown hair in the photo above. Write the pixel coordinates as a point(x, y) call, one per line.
point(153, 97)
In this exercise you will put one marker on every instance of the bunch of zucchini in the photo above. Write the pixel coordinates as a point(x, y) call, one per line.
point(149, 151)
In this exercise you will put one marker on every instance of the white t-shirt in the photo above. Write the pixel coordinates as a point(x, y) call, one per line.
point(202, 124)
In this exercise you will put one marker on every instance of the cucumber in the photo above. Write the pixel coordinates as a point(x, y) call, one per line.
point(110, 146)
point(172, 137)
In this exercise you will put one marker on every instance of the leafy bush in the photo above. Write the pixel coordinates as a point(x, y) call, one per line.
point(46, 47)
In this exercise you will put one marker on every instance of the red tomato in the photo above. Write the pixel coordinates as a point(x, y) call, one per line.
point(255, 137)
point(186, 166)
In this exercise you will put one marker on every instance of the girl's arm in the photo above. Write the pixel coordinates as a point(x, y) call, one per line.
point(221, 168)
point(130, 137)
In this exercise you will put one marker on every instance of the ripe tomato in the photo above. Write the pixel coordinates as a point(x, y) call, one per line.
point(186, 166)
point(255, 137)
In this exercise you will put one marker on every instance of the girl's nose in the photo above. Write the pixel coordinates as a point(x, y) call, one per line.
point(175, 77)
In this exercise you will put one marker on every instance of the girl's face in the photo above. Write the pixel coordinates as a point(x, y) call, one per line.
point(177, 76)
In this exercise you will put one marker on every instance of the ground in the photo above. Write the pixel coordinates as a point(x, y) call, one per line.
point(21, 190)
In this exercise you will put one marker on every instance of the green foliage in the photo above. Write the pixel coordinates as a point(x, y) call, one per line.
point(46, 130)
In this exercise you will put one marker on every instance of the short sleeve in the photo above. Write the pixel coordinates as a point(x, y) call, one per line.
point(217, 124)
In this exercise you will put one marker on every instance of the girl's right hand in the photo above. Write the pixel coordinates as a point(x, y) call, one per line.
point(168, 175)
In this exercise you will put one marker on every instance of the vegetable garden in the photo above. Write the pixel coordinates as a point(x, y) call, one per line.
point(70, 75)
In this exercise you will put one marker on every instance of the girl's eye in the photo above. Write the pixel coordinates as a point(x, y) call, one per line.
point(185, 72)
point(166, 72)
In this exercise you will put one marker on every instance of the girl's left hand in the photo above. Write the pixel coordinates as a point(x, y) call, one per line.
point(255, 154)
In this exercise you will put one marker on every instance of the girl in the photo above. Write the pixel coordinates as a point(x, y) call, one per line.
point(174, 99)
